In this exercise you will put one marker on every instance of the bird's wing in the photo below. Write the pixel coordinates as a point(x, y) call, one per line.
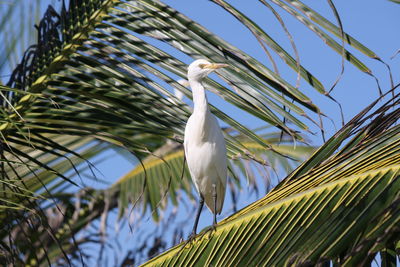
point(220, 167)
point(187, 136)
point(190, 155)
point(221, 186)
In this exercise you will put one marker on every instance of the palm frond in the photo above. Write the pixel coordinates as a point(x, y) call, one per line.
point(344, 209)
point(98, 74)
point(323, 22)
point(106, 61)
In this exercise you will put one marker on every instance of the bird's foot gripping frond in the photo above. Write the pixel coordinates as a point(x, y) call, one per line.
point(189, 241)
point(210, 230)
point(191, 238)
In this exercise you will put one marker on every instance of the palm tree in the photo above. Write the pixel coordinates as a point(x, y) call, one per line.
point(98, 79)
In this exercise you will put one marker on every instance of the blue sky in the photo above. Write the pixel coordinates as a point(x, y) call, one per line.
point(373, 23)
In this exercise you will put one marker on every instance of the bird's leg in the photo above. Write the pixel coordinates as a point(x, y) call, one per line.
point(214, 196)
point(213, 227)
point(196, 221)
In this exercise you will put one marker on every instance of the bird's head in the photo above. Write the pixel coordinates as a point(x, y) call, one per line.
point(200, 68)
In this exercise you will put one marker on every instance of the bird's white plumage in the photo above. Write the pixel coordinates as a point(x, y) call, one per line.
point(204, 143)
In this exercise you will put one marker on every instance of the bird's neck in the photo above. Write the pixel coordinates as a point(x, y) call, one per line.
point(199, 97)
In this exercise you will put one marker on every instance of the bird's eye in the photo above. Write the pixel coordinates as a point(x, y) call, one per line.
point(202, 66)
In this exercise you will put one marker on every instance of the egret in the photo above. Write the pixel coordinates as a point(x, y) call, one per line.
point(204, 145)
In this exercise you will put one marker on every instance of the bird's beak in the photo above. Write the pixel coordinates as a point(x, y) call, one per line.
point(214, 66)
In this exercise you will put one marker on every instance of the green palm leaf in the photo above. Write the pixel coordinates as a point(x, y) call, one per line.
point(327, 25)
point(344, 209)
point(93, 78)
point(293, 220)
point(99, 64)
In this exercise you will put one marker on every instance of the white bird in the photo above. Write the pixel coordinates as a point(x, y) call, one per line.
point(204, 144)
